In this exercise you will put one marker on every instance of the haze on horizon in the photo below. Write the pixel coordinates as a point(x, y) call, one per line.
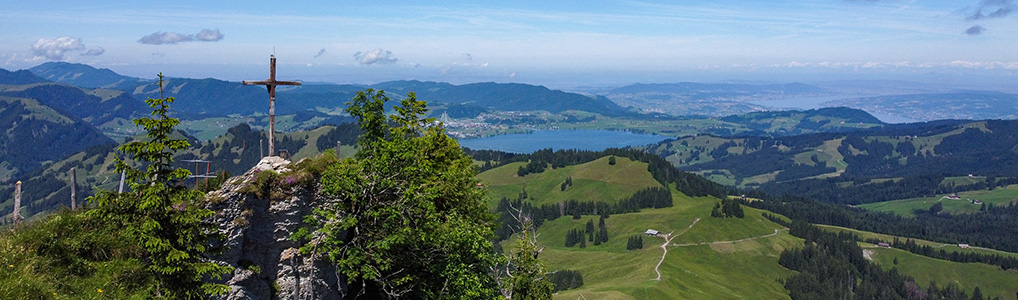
point(968, 43)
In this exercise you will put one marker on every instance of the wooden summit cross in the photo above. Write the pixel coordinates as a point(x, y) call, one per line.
point(271, 84)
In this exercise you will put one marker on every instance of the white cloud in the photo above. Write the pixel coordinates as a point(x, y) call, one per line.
point(209, 35)
point(376, 56)
point(54, 49)
point(170, 38)
point(95, 51)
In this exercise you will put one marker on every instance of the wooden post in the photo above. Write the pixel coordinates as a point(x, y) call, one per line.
point(17, 204)
point(123, 177)
point(271, 84)
point(74, 188)
point(208, 167)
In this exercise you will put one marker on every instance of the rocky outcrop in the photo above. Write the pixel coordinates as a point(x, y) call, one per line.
point(267, 262)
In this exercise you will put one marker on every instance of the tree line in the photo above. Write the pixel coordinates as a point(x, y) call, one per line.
point(832, 266)
point(662, 170)
point(653, 197)
point(1004, 262)
point(992, 228)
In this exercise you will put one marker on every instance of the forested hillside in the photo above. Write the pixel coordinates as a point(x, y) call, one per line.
point(33, 134)
point(891, 162)
point(48, 188)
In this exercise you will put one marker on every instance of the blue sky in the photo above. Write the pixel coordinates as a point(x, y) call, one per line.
point(559, 44)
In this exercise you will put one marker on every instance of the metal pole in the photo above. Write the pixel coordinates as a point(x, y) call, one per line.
point(74, 189)
point(338, 144)
point(261, 151)
point(17, 203)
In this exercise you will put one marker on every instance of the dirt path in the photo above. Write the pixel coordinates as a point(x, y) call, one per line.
point(668, 240)
point(732, 242)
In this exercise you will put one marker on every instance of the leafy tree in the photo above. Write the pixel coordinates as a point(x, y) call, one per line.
point(611, 160)
point(407, 219)
point(160, 213)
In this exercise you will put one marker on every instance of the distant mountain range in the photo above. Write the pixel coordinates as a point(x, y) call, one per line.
point(200, 98)
point(85, 76)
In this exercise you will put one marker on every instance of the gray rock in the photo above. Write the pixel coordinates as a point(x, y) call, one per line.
point(268, 264)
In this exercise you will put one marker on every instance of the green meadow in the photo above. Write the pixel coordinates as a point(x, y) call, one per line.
point(905, 207)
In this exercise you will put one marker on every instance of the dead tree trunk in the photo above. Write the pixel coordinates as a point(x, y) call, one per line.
point(17, 204)
point(123, 177)
point(74, 188)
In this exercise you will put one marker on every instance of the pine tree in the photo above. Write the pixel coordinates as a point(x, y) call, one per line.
point(161, 214)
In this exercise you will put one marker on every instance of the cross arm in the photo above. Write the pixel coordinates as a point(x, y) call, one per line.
point(287, 82)
point(258, 82)
point(270, 82)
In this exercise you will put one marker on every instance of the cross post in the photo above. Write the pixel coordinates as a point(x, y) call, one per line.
point(271, 84)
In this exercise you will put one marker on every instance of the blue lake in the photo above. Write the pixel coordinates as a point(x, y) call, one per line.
point(595, 140)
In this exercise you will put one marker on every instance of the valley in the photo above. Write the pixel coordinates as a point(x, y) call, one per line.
point(832, 166)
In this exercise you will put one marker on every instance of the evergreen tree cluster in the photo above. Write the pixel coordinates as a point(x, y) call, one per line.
point(728, 208)
point(589, 233)
point(565, 279)
point(602, 232)
point(635, 242)
point(345, 133)
point(533, 167)
point(566, 184)
point(654, 197)
point(832, 267)
point(576, 236)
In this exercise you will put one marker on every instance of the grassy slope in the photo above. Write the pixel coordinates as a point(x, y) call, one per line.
point(905, 207)
point(936, 245)
point(992, 281)
point(593, 181)
point(705, 271)
point(742, 269)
